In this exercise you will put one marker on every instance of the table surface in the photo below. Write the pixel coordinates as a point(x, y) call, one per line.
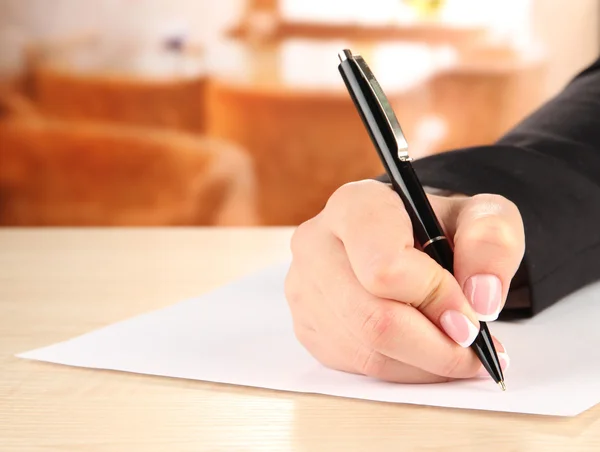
point(59, 283)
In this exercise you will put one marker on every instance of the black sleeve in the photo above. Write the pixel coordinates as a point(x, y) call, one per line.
point(549, 166)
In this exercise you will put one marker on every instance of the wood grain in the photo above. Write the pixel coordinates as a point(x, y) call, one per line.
point(58, 283)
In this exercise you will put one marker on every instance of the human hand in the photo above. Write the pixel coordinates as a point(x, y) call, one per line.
point(365, 300)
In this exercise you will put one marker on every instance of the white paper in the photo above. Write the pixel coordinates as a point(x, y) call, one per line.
point(242, 334)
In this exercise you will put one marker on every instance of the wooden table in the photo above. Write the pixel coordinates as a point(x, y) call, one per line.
point(56, 284)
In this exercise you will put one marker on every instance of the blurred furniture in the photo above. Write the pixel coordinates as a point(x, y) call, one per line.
point(262, 20)
point(287, 106)
point(488, 90)
point(78, 173)
point(429, 33)
point(59, 284)
point(154, 84)
point(305, 136)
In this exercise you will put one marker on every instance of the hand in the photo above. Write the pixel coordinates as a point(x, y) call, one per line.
point(364, 300)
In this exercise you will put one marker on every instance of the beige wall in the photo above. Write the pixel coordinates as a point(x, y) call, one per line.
point(19, 19)
point(568, 28)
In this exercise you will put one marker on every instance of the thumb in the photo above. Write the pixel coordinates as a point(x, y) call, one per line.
point(489, 243)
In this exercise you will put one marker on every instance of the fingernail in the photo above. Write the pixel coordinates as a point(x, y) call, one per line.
point(504, 364)
point(460, 329)
point(484, 292)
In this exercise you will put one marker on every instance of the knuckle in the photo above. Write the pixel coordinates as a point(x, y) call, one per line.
point(351, 189)
point(378, 327)
point(496, 232)
point(301, 236)
point(377, 277)
point(341, 195)
point(500, 215)
point(384, 271)
point(355, 198)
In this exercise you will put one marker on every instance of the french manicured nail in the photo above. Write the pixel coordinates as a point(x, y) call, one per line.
point(504, 363)
point(484, 292)
point(460, 329)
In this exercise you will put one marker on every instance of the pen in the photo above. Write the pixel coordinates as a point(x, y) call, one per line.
point(392, 147)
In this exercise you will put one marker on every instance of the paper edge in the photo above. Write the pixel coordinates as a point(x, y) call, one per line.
point(236, 280)
point(275, 388)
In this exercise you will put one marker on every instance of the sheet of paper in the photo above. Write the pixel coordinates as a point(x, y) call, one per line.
point(242, 334)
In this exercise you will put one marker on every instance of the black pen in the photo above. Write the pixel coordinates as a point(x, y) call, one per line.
point(392, 147)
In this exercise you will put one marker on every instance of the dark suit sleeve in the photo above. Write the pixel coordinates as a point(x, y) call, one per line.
point(549, 166)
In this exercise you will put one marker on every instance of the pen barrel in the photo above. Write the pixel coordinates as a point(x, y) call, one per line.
point(426, 228)
point(441, 252)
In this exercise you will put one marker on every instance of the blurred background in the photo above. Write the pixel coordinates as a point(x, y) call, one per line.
point(232, 112)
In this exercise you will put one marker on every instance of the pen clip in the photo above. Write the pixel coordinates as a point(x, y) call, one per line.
point(379, 98)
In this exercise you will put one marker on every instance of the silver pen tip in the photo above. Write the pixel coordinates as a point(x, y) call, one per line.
point(502, 385)
point(344, 55)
